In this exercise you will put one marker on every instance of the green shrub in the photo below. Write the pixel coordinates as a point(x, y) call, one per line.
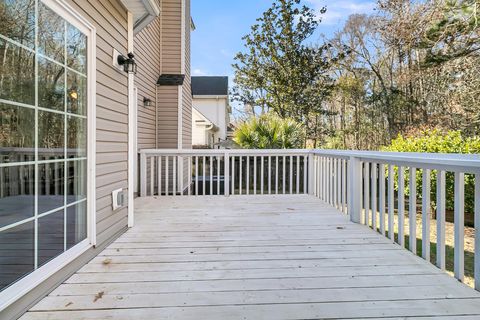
point(269, 132)
point(437, 142)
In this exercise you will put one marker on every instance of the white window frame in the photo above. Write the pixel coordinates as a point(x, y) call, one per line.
point(29, 282)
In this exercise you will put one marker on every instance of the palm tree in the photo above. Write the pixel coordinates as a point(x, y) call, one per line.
point(269, 131)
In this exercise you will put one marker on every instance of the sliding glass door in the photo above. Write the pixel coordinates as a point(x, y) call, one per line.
point(43, 137)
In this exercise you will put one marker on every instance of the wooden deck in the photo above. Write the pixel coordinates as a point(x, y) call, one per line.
point(254, 257)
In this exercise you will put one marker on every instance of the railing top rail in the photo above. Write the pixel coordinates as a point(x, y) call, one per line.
point(233, 152)
point(468, 163)
point(443, 161)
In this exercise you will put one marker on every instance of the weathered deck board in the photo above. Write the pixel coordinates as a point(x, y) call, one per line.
point(254, 257)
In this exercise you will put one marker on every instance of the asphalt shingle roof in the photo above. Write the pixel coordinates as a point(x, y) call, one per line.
point(209, 86)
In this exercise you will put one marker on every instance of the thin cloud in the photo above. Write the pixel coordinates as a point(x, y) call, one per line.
point(199, 72)
point(338, 11)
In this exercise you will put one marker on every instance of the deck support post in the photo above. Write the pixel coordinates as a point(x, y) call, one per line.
point(143, 175)
point(311, 176)
point(226, 174)
point(354, 189)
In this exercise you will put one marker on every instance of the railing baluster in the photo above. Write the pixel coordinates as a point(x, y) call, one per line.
point(262, 174)
point(459, 226)
point(226, 174)
point(298, 175)
point(219, 161)
point(189, 180)
point(196, 175)
point(152, 174)
point(426, 214)
point(334, 182)
point(167, 187)
point(441, 219)
point(240, 175)
point(374, 196)
point(391, 206)
point(174, 176)
point(290, 167)
point(412, 211)
point(181, 163)
point(315, 174)
point(203, 175)
point(366, 191)
point(401, 206)
point(276, 175)
point(339, 184)
point(247, 183)
point(254, 175)
point(233, 175)
point(305, 170)
point(269, 175)
point(284, 174)
point(211, 175)
point(324, 179)
point(159, 175)
point(381, 198)
point(344, 186)
point(477, 232)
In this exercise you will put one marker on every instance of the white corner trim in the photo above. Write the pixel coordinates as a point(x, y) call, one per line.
point(180, 118)
point(183, 38)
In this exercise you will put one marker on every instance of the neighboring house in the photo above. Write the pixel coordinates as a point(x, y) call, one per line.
point(211, 111)
point(69, 135)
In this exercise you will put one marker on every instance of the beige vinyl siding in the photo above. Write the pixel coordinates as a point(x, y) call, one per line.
point(187, 88)
point(110, 20)
point(170, 64)
point(147, 53)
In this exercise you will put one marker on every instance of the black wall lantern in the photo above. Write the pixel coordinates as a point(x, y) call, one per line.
point(147, 102)
point(129, 64)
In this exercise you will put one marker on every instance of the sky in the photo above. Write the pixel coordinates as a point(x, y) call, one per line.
point(220, 25)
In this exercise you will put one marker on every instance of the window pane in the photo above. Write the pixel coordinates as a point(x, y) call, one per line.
point(76, 49)
point(17, 194)
point(50, 237)
point(51, 85)
point(50, 135)
point(17, 67)
point(17, 21)
point(76, 224)
point(51, 34)
point(76, 137)
point(16, 253)
point(76, 93)
point(17, 133)
point(76, 180)
point(51, 186)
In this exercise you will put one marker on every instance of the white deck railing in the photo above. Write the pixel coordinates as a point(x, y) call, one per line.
point(358, 183)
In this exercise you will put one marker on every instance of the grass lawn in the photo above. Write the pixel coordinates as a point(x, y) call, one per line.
point(449, 243)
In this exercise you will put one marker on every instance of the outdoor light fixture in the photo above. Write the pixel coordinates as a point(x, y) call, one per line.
point(129, 64)
point(147, 102)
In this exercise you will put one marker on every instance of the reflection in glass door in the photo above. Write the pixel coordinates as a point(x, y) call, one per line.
point(43, 137)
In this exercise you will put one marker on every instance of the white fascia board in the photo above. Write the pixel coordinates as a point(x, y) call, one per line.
point(210, 97)
point(148, 12)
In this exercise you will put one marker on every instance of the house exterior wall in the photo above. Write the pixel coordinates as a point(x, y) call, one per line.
point(110, 20)
point(170, 63)
point(158, 49)
point(215, 109)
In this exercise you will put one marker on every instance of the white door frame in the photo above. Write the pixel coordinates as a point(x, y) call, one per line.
point(29, 282)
